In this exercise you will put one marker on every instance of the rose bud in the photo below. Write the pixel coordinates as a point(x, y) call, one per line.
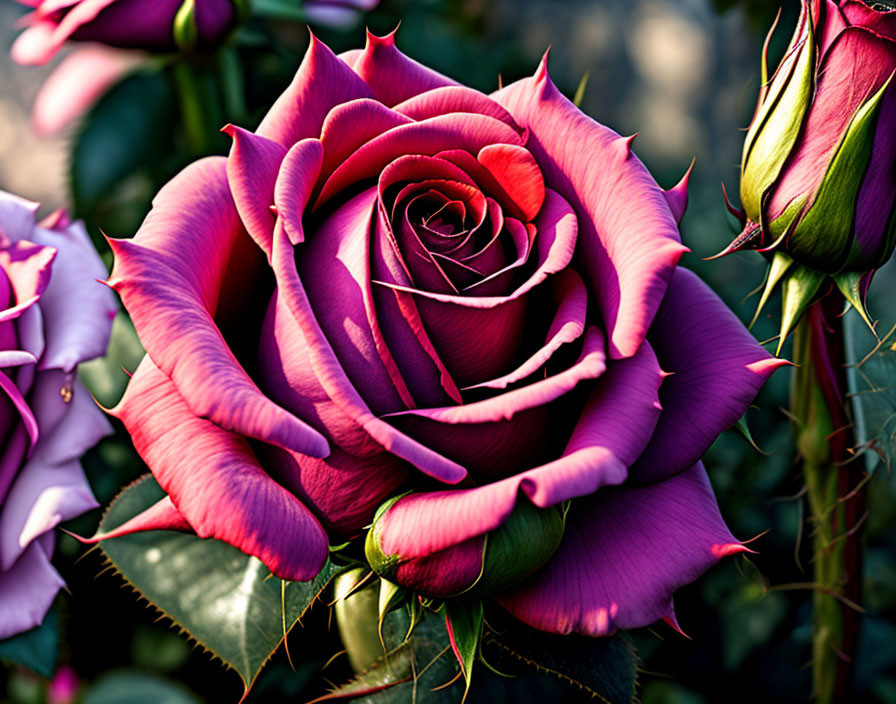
point(819, 162)
point(485, 564)
point(53, 315)
point(153, 25)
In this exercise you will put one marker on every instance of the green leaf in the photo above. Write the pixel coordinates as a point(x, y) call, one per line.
point(605, 668)
point(137, 688)
point(228, 601)
point(872, 383)
point(36, 649)
point(125, 130)
point(464, 621)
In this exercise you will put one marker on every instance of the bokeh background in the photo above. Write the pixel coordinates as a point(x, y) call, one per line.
point(683, 74)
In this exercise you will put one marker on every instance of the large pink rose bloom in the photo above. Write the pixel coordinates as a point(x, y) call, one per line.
point(401, 283)
point(138, 24)
point(53, 315)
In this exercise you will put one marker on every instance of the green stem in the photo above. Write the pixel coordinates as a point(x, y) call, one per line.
point(836, 497)
point(198, 106)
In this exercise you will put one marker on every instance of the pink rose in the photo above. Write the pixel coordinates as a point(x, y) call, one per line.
point(133, 24)
point(399, 283)
point(54, 315)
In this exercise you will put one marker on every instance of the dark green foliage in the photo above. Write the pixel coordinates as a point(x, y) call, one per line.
point(226, 600)
point(36, 649)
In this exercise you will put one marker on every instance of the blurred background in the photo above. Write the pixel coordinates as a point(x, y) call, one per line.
point(684, 74)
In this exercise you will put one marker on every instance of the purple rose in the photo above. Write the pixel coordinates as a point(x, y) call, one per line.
point(54, 315)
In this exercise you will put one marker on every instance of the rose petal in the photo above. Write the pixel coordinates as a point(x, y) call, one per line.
point(28, 590)
point(624, 552)
point(169, 277)
point(76, 328)
point(41, 497)
point(391, 75)
point(252, 169)
point(628, 243)
point(612, 431)
point(300, 111)
point(716, 366)
point(457, 131)
point(567, 326)
point(215, 481)
point(332, 377)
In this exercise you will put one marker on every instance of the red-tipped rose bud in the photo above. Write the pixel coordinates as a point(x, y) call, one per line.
point(482, 565)
point(818, 180)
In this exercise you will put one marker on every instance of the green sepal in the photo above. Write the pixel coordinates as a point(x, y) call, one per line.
point(185, 29)
point(799, 289)
point(824, 235)
point(850, 285)
point(777, 125)
point(464, 621)
point(580, 89)
point(521, 546)
point(391, 596)
point(780, 264)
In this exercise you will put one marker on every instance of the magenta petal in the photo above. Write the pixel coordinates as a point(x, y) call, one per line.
point(335, 266)
point(215, 481)
point(332, 377)
point(352, 124)
point(322, 82)
point(444, 574)
point(440, 101)
point(453, 131)
point(169, 277)
point(624, 552)
point(628, 241)
point(567, 326)
point(294, 183)
point(716, 367)
point(28, 590)
point(613, 429)
point(252, 169)
point(344, 490)
point(391, 75)
point(590, 365)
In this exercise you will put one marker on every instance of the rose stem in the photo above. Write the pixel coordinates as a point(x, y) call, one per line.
point(824, 439)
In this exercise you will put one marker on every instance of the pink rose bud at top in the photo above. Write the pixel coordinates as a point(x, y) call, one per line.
point(818, 183)
point(53, 315)
point(485, 564)
point(153, 25)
